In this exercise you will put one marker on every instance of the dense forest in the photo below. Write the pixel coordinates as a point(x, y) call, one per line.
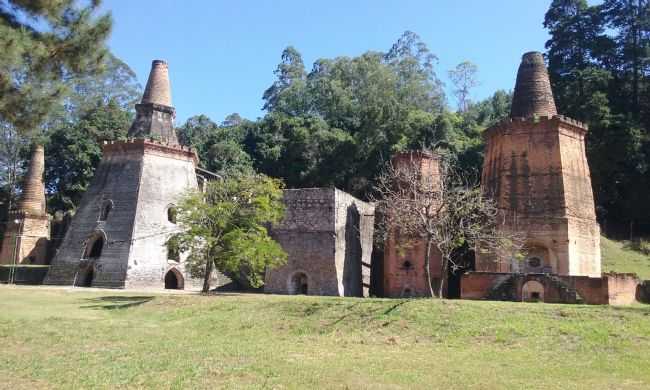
point(337, 122)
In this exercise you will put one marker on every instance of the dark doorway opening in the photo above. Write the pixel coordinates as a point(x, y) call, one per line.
point(299, 284)
point(465, 260)
point(173, 281)
point(96, 248)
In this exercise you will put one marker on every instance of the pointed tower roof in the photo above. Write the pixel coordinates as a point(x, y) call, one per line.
point(32, 199)
point(155, 114)
point(158, 90)
point(533, 95)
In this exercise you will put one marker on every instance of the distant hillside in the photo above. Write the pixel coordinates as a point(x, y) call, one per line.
point(619, 257)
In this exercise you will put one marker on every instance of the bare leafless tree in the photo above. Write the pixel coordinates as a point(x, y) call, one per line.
point(445, 209)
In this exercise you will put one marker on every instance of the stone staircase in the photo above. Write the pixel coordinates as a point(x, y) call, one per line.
point(503, 289)
point(567, 291)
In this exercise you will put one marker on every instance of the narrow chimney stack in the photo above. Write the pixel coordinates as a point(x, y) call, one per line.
point(158, 89)
point(32, 199)
point(533, 95)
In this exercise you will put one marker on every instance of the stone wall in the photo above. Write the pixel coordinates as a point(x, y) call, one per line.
point(613, 289)
point(327, 235)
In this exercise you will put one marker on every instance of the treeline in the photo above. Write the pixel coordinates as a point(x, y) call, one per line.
point(599, 63)
point(337, 122)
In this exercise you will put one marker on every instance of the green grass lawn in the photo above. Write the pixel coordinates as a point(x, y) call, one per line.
point(114, 339)
point(619, 257)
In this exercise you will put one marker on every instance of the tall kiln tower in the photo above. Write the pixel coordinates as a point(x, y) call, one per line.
point(118, 235)
point(536, 170)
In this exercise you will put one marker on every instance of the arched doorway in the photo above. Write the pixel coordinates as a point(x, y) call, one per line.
point(532, 291)
point(299, 284)
point(93, 252)
point(173, 280)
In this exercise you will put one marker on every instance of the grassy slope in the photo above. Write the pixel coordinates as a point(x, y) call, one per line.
point(617, 257)
point(61, 339)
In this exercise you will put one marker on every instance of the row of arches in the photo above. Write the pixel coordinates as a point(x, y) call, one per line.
point(94, 248)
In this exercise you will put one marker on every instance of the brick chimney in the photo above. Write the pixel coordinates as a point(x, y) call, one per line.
point(158, 90)
point(155, 114)
point(533, 95)
point(32, 200)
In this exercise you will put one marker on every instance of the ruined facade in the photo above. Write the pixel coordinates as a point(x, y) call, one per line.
point(327, 235)
point(28, 226)
point(536, 170)
point(118, 235)
point(404, 274)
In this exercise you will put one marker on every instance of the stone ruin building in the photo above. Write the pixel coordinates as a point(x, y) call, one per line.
point(28, 226)
point(328, 237)
point(118, 236)
point(536, 170)
point(403, 270)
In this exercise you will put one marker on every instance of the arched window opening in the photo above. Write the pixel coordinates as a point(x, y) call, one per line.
point(173, 280)
point(107, 207)
point(172, 212)
point(407, 265)
point(299, 284)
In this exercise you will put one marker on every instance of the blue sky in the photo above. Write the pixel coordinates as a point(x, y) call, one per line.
point(222, 53)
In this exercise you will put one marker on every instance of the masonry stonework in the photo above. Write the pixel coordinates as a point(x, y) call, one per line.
point(536, 170)
point(327, 235)
point(28, 229)
point(404, 271)
point(117, 238)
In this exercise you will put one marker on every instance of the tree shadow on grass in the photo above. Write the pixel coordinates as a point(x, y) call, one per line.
point(116, 302)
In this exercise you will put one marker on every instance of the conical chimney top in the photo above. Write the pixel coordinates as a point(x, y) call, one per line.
point(32, 199)
point(158, 90)
point(533, 95)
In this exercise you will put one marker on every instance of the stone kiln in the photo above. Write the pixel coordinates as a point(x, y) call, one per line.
point(28, 228)
point(536, 170)
point(118, 235)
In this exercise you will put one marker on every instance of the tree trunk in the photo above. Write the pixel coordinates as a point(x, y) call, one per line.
point(427, 267)
point(443, 276)
point(208, 271)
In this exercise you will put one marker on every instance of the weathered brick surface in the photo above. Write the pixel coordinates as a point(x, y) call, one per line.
point(533, 95)
point(327, 235)
point(611, 288)
point(28, 227)
point(404, 271)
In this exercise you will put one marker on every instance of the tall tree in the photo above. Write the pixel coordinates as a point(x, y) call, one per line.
point(226, 227)
point(464, 78)
point(42, 43)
